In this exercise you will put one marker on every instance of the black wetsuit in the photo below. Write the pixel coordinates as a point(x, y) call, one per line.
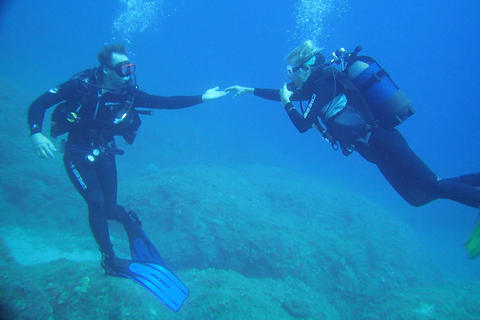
point(352, 125)
point(90, 148)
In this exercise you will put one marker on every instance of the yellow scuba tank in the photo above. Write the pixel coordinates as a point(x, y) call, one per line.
point(388, 103)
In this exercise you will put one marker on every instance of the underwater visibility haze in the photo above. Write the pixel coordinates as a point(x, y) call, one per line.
point(256, 219)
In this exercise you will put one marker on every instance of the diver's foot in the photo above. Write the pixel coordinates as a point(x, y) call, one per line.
point(113, 265)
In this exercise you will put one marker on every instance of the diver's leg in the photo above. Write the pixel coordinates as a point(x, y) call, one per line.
point(84, 178)
point(412, 178)
point(106, 170)
point(459, 192)
point(141, 248)
point(404, 170)
point(468, 179)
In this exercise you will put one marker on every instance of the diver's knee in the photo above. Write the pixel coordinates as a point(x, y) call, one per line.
point(96, 200)
point(416, 204)
point(417, 201)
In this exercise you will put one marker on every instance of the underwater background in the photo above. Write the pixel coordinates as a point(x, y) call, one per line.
point(258, 220)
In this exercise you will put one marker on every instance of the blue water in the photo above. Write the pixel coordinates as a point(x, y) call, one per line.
point(430, 48)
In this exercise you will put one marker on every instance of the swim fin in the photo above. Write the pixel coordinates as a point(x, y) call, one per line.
point(141, 248)
point(473, 242)
point(156, 278)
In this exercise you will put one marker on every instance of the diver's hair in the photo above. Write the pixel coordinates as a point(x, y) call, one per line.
point(302, 53)
point(105, 55)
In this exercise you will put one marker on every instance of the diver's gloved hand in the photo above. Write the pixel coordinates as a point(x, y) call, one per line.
point(43, 147)
point(212, 94)
point(285, 94)
point(240, 90)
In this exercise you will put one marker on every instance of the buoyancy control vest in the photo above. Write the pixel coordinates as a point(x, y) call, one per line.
point(67, 116)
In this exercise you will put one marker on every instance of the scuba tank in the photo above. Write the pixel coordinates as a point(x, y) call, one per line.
point(388, 103)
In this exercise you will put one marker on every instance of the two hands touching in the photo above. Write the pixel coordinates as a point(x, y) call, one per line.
point(285, 94)
point(239, 90)
point(214, 93)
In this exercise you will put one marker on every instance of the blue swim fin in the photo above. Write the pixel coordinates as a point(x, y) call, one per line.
point(141, 248)
point(156, 278)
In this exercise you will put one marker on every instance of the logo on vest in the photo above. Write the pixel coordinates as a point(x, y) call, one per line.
point(310, 104)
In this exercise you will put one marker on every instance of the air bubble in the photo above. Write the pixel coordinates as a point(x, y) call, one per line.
point(136, 16)
point(312, 18)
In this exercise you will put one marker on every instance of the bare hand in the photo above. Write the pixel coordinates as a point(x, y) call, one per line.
point(212, 94)
point(43, 147)
point(285, 94)
point(240, 90)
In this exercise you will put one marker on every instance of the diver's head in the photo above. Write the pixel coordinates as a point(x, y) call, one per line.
point(302, 61)
point(115, 65)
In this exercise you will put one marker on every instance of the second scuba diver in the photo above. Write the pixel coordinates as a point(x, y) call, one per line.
point(341, 105)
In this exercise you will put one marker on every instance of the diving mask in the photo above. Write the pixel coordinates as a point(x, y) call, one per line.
point(290, 71)
point(125, 69)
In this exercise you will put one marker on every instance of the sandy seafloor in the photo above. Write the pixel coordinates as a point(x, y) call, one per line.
point(250, 241)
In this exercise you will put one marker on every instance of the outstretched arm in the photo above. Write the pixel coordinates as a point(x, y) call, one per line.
point(145, 100)
point(269, 94)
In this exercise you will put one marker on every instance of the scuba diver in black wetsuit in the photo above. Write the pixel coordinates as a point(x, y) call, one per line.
point(335, 102)
point(93, 107)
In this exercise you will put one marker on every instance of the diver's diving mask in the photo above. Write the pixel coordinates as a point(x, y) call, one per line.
point(291, 71)
point(125, 69)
